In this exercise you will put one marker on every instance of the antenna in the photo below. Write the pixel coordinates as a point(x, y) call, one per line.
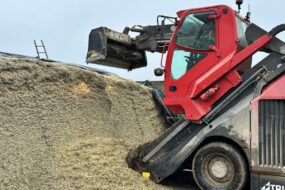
point(248, 14)
point(239, 3)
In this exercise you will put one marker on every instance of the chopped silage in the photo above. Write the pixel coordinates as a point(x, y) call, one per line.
point(63, 127)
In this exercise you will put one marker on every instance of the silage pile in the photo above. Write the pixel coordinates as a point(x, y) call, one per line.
point(63, 127)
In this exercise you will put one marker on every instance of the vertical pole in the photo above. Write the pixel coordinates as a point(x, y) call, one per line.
point(44, 49)
point(37, 48)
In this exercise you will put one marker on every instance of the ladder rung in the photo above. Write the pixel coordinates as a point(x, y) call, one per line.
point(40, 46)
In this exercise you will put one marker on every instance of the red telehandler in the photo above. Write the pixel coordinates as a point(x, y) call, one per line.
point(232, 133)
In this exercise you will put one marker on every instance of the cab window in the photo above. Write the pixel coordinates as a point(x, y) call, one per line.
point(183, 61)
point(241, 28)
point(198, 31)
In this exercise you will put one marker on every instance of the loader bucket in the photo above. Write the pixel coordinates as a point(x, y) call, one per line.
point(114, 49)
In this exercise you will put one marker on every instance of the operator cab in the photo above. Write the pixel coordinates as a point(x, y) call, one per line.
point(198, 32)
point(199, 59)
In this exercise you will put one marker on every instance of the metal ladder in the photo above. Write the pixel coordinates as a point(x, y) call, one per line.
point(43, 48)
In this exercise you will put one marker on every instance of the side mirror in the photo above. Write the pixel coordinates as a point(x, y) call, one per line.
point(158, 72)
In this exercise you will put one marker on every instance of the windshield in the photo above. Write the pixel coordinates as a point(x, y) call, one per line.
point(198, 31)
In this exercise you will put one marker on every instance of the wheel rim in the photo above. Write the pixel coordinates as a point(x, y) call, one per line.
point(218, 169)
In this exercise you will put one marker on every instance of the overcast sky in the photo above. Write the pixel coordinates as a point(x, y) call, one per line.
point(64, 25)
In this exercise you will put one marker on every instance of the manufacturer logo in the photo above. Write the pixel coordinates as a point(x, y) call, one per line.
point(269, 186)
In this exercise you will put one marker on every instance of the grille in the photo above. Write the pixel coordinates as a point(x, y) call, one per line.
point(272, 133)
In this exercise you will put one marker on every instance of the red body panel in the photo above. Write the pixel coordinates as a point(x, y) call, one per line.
point(217, 70)
point(274, 91)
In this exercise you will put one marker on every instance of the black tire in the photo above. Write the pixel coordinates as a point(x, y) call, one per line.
point(219, 166)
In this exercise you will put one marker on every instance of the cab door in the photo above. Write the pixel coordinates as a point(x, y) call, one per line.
point(192, 52)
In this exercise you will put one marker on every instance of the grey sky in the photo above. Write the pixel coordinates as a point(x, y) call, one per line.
point(64, 25)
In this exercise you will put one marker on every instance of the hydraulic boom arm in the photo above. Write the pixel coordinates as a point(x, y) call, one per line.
point(115, 49)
